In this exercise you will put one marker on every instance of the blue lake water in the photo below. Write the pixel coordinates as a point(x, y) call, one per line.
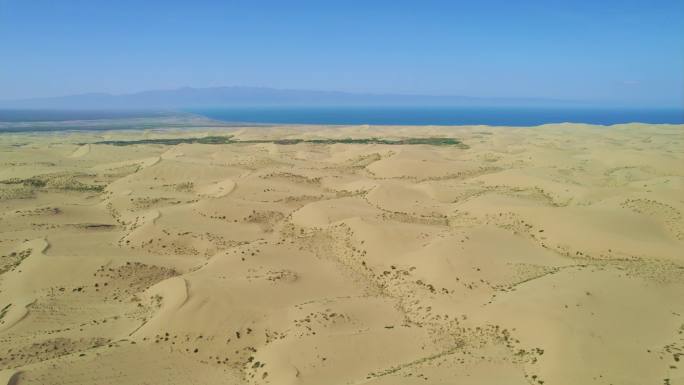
point(500, 116)
point(30, 115)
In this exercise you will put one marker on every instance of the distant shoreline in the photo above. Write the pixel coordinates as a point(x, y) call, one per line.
point(103, 120)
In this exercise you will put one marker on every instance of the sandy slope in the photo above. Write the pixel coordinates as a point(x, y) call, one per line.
point(546, 255)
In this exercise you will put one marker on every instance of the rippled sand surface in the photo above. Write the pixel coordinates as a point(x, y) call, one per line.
point(545, 255)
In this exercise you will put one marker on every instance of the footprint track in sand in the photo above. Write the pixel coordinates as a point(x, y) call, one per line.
point(81, 151)
point(218, 189)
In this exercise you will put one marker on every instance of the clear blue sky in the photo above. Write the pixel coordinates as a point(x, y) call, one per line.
point(629, 52)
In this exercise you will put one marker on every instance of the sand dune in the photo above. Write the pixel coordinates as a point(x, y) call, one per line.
point(217, 189)
point(545, 255)
point(81, 151)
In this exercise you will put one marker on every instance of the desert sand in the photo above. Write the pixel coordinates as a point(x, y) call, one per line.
point(542, 255)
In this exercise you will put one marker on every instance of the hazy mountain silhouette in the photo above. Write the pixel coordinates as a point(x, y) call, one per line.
point(256, 96)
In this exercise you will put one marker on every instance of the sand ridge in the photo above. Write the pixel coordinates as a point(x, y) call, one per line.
point(315, 255)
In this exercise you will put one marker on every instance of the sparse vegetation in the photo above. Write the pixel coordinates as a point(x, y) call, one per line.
point(171, 141)
point(55, 182)
point(13, 260)
point(435, 141)
point(4, 311)
point(184, 187)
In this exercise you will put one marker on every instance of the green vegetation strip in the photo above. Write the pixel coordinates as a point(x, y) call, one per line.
point(439, 141)
point(171, 142)
point(52, 182)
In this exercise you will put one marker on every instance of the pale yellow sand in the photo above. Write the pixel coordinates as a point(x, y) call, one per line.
point(546, 255)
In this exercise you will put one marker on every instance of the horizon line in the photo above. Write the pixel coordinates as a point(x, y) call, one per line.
point(587, 102)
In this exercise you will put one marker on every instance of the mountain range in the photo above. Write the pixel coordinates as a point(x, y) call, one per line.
point(188, 97)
